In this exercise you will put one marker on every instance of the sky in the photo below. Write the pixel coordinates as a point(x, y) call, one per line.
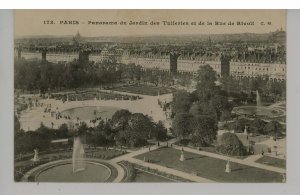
point(31, 22)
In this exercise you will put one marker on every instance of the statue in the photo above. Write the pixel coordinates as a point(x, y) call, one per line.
point(245, 130)
point(182, 158)
point(283, 177)
point(228, 168)
point(36, 155)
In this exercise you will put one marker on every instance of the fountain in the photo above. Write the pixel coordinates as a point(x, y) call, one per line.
point(258, 110)
point(78, 157)
point(77, 169)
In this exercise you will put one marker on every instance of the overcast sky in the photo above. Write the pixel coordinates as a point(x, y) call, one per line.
point(31, 22)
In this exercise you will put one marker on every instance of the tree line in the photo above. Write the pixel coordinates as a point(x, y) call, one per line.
point(197, 113)
point(34, 75)
point(124, 129)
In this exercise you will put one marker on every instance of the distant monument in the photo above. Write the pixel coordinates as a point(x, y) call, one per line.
point(36, 155)
point(182, 158)
point(228, 168)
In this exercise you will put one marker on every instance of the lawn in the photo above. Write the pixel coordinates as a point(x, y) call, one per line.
point(210, 168)
point(276, 162)
point(142, 176)
point(145, 90)
point(256, 139)
point(212, 149)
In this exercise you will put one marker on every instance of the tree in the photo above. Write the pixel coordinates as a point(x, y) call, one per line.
point(219, 103)
point(257, 84)
point(181, 125)
point(160, 132)
point(225, 116)
point(202, 109)
point(204, 130)
point(184, 81)
point(230, 144)
point(273, 128)
point(257, 126)
point(141, 124)
point(17, 124)
point(62, 131)
point(181, 102)
point(82, 129)
point(240, 124)
point(134, 129)
point(120, 118)
point(206, 83)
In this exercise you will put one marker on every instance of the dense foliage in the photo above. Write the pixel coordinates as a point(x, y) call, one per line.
point(37, 75)
point(197, 113)
point(26, 142)
point(243, 89)
point(273, 128)
point(124, 129)
point(230, 144)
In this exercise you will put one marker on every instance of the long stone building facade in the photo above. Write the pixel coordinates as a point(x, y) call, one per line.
point(249, 63)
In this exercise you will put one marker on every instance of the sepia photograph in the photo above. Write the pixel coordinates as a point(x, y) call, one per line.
point(150, 96)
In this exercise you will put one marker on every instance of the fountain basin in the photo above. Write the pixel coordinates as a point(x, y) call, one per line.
point(258, 111)
point(90, 112)
point(62, 171)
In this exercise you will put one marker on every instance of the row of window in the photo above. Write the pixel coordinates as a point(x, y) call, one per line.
point(258, 68)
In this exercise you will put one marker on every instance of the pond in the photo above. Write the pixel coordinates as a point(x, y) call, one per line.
point(64, 173)
point(90, 112)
